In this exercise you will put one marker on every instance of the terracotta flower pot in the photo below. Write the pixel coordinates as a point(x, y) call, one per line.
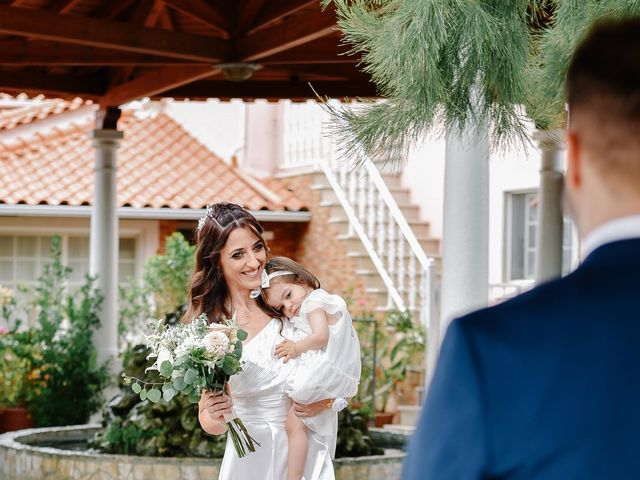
point(15, 418)
point(382, 418)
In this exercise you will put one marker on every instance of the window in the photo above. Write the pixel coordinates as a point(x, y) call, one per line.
point(522, 231)
point(22, 258)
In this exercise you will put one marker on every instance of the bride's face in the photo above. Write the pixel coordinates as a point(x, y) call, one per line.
point(242, 260)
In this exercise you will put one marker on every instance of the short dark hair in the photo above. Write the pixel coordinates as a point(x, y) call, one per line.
point(603, 94)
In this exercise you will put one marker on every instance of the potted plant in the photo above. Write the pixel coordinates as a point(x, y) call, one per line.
point(390, 345)
point(17, 379)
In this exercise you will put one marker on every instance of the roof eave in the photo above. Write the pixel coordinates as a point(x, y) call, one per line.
point(142, 213)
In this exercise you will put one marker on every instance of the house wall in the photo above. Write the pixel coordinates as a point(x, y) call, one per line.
point(144, 231)
point(219, 126)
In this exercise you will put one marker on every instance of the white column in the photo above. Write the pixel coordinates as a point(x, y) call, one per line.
point(465, 233)
point(103, 252)
point(549, 241)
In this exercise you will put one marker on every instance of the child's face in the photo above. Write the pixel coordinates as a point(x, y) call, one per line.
point(286, 297)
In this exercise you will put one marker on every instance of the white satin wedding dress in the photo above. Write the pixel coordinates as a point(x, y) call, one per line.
point(259, 399)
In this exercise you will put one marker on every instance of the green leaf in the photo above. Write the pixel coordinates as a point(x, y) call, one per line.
point(242, 335)
point(179, 384)
point(191, 376)
point(238, 350)
point(143, 395)
point(136, 387)
point(168, 394)
point(194, 398)
point(180, 360)
point(230, 365)
point(187, 389)
point(154, 395)
point(166, 368)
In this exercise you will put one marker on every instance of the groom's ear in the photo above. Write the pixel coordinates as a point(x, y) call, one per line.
point(573, 177)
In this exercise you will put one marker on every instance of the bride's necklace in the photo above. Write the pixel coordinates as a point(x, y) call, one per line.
point(242, 317)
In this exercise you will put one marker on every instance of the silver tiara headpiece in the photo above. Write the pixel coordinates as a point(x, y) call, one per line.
point(207, 214)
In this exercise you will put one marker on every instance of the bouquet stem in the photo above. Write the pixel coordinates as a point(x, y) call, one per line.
point(241, 438)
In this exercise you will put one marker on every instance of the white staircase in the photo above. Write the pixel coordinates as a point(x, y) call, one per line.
point(391, 246)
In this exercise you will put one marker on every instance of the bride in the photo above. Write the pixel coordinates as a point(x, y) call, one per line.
point(230, 257)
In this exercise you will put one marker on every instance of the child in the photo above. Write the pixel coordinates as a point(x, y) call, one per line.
point(327, 352)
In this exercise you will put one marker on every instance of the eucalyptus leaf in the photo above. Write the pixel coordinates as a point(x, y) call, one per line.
point(143, 395)
point(179, 384)
point(242, 335)
point(168, 394)
point(136, 387)
point(154, 395)
point(191, 376)
point(194, 398)
point(166, 368)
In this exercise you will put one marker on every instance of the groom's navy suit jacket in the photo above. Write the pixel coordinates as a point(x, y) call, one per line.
point(544, 386)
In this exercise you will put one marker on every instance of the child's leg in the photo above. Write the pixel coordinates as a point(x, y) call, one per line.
point(298, 444)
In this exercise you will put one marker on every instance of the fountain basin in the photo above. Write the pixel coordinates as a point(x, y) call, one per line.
point(60, 453)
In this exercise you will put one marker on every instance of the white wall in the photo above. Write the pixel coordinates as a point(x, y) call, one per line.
point(516, 169)
point(511, 170)
point(219, 126)
point(423, 175)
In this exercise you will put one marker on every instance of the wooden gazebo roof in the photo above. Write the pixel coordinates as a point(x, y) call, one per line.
point(114, 51)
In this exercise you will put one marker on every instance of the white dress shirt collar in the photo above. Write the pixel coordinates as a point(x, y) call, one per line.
point(622, 228)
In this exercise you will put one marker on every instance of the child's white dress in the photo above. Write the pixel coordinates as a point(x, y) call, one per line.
point(333, 372)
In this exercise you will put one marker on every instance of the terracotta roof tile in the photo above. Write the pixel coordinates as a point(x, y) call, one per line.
point(15, 117)
point(159, 164)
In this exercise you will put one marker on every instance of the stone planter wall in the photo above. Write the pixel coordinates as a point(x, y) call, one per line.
point(19, 460)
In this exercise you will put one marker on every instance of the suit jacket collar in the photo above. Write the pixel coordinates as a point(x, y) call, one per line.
point(619, 253)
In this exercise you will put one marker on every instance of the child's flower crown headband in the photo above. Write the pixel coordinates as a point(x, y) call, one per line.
point(266, 280)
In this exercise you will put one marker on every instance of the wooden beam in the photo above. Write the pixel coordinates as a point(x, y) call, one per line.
point(110, 34)
point(155, 83)
point(290, 33)
point(166, 21)
point(39, 52)
point(145, 14)
point(206, 13)
point(111, 9)
point(274, 11)
point(325, 50)
point(51, 85)
point(62, 6)
point(338, 71)
point(252, 89)
point(247, 13)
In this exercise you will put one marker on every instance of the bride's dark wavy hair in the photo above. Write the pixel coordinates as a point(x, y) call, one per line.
point(208, 292)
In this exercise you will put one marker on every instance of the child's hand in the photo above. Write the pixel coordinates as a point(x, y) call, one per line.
point(286, 350)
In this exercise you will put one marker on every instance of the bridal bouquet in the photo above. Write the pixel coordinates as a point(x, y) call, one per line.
point(194, 357)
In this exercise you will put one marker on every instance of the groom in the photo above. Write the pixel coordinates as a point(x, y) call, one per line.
point(547, 385)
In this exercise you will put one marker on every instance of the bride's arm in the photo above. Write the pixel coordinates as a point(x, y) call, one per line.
point(212, 407)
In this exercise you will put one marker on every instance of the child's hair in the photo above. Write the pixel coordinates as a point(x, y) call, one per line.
point(299, 276)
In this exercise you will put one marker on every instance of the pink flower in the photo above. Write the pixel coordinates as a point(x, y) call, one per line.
point(3, 330)
point(362, 302)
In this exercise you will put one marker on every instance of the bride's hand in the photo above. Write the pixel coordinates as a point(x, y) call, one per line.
point(312, 409)
point(216, 404)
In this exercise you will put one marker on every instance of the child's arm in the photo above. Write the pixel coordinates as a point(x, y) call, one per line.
point(316, 340)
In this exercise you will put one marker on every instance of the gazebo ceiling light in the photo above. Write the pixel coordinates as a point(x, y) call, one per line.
point(238, 71)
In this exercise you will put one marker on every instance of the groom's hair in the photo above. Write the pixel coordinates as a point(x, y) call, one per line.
point(603, 95)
